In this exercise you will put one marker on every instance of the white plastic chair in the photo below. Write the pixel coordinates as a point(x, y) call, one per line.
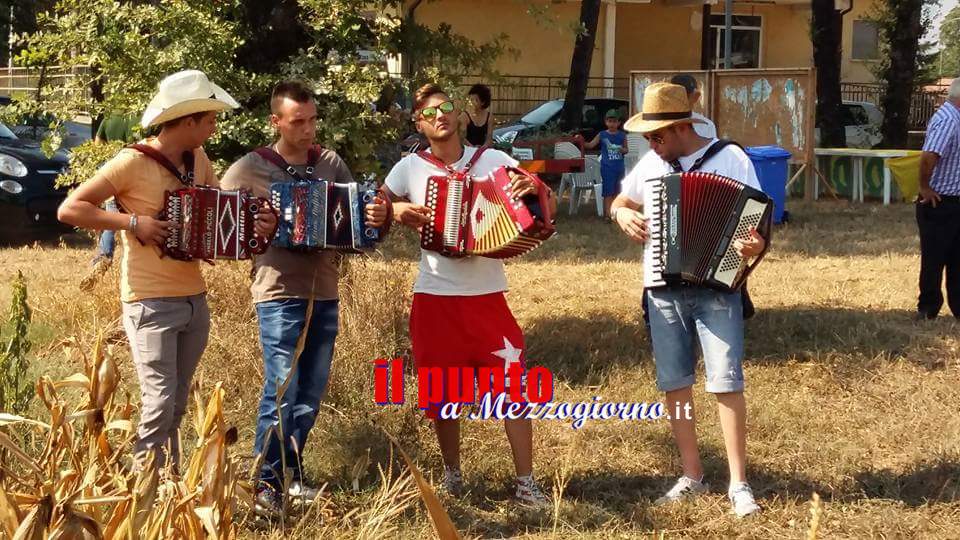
point(637, 146)
point(565, 150)
point(585, 183)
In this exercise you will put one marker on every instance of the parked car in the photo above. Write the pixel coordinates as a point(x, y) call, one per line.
point(546, 117)
point(28, 194)
point(862, 121)
point(36, 129)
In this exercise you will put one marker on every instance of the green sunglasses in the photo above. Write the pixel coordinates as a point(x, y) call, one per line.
point(429, 113)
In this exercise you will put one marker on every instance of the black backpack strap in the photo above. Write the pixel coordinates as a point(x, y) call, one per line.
point(714, 149)
point(154, 154)
point(271, 155)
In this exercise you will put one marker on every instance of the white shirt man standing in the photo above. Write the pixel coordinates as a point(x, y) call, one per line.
point(679, 314)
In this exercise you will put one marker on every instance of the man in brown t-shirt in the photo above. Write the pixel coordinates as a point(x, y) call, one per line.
point(284, 282)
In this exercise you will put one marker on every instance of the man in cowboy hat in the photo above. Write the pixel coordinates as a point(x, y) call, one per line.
point(284, 282)
point(165, 312)
point(678, 314)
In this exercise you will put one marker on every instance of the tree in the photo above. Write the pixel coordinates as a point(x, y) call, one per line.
point(827, 32)
point(120, 51)
point(580, 65)
point(24, 19)
point(902, 23)
point(948, 62)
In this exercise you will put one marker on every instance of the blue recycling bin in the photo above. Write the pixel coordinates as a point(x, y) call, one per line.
point(771, 164)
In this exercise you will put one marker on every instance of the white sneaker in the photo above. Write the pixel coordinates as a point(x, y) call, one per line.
point(684, 488)
point(741, 497)
point(302, 492)
point(528, 492)
point(453, 482)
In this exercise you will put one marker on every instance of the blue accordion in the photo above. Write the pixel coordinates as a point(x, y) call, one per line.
point(318, 214)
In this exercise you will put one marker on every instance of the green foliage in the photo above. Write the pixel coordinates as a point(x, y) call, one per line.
point(949, 61)
point(119, 52)
point(882, 14)
point(16, 389)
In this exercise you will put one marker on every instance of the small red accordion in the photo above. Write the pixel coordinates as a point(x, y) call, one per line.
point(213, 224)
point(480, 217)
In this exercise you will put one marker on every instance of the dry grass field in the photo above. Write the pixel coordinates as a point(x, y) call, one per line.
point(848, 396)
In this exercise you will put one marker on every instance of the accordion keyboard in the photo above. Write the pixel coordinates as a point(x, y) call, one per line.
point(654, 250)
point(451, 225)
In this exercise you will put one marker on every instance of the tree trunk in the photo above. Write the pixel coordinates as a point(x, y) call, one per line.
point(898, 77)
point(274, 34)
point(827, 33)
point(580, 65)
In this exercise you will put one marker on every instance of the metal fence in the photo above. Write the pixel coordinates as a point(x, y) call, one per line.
point(923, 104)
point(515, 95)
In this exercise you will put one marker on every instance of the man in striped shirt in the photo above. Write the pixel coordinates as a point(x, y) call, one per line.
point(938, 209)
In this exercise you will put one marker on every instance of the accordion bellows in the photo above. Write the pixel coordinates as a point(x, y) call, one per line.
point(212, 224)
point(482, 218)
point(319, 214)
point(694, 220)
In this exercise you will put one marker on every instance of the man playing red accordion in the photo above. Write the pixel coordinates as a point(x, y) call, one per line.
point(460, 316)
point(165, 312)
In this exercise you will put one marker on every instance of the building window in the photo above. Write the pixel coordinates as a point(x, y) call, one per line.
point(746, 37)
point(866, 41)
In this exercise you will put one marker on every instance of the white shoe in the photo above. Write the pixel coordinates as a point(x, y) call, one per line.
point(684, 488)
point(741, 497)
point(529, 493)
point(302, 493)
point(453, 482)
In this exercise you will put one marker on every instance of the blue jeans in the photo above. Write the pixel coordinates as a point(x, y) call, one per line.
point(293, 413)
point(108, 238)
point(680, 314)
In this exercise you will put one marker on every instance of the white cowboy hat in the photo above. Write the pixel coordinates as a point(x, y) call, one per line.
point(664, 104)
point(184, 93)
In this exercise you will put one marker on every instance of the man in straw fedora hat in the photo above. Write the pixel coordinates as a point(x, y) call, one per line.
point(678, 314)
point(165, 312)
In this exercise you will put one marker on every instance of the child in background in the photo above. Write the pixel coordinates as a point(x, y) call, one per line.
point(613, 145)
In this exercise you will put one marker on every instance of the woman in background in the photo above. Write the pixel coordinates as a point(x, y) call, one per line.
point(477, 119)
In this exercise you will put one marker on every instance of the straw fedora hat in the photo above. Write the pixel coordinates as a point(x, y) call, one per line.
point(184, 93)
point(664, 104)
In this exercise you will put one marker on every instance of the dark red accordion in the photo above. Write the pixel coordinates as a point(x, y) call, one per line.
point(479, 216)
point(213, 224)
point(694, 220)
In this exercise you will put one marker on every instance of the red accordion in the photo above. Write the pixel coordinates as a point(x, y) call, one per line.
point(480, 217)
point(212, 224)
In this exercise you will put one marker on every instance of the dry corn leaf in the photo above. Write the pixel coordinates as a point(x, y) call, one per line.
point(7, 419)
point(438, 515)
point(14, 450)
point(119, 425)
point(10, 515)
point(107, 380)
point(34, 525)
point(77, 380)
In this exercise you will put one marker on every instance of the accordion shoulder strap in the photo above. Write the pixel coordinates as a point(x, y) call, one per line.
point(156, 155)
point(271, 155)
point(713, 150)
point(466, 168)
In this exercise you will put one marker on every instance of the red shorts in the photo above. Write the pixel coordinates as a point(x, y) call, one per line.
point(464, 331)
